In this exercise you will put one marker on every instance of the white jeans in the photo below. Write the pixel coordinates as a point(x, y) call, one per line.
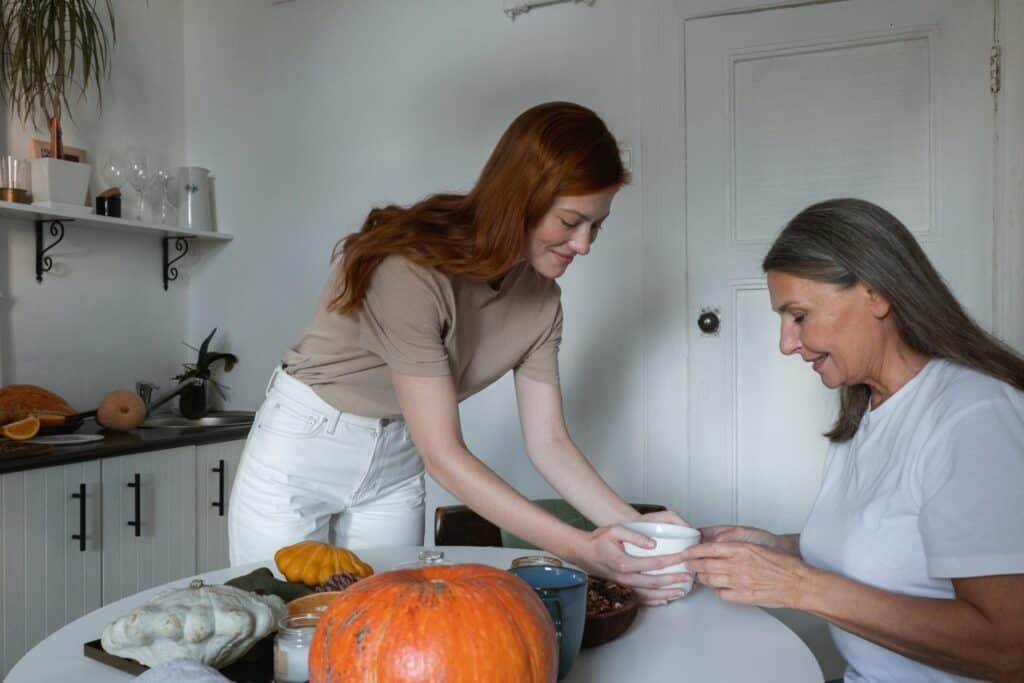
point(309, 471)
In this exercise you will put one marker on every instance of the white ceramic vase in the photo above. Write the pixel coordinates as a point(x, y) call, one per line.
point(195, 200)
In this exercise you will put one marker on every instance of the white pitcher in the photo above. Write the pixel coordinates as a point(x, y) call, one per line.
point(195, 203)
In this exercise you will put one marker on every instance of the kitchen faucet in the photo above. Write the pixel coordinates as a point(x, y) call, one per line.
point(145, 389)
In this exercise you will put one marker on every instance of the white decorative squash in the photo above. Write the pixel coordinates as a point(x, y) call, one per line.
point(215, 625)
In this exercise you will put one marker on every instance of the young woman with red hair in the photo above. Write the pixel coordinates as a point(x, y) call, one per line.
point(430, 304)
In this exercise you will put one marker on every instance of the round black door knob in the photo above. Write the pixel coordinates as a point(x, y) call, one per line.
point(708, 322)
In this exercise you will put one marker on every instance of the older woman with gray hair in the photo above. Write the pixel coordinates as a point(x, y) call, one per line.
point(914, 549)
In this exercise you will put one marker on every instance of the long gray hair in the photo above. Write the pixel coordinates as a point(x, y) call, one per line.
point(846, 241)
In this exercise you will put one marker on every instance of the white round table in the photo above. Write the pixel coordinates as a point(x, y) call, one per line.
point(698, 638)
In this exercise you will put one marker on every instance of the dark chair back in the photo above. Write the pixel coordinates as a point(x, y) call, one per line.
point(458, 525)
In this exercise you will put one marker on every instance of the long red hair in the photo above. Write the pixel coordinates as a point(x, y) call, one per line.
point(551, 150)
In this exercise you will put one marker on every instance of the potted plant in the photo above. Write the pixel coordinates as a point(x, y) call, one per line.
point(50, 49)
point(192, 402)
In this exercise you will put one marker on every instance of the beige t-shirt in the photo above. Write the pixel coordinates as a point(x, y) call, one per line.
point(419, 321)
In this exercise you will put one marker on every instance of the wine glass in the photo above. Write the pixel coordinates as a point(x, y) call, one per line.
point(156, 190)
point(138, 177)
point(113, 170)
point(171, 196)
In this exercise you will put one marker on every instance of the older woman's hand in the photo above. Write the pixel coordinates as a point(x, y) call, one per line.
point(604, 555)
point(739, 534)
point(787, 543)
point(750, 573)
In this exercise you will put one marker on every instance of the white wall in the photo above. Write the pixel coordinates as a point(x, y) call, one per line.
point(102, 319)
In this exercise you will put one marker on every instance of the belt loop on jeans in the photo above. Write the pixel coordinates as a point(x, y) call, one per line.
point(332, 422)
point(273, 376)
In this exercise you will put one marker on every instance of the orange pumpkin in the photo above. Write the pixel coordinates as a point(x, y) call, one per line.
point(462, 623)
point(313, 562)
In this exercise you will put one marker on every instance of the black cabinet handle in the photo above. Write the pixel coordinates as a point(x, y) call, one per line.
point(219, 503)
point(137, 485)
point(80, 536)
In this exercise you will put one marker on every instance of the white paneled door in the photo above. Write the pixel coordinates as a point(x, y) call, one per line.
point(887, 101)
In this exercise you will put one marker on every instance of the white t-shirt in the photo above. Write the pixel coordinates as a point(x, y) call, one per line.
point(928, 489)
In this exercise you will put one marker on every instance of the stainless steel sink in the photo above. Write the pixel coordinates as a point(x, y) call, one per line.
point(227, 418)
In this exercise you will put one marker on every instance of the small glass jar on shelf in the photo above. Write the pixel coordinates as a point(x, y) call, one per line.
point(14, 180)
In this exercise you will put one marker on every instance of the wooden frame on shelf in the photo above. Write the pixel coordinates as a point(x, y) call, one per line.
point(40, 149)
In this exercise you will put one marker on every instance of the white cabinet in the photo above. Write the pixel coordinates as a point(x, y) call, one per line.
point(49, 573)
point(149, 520)
point(135, 536)
point(216, 465)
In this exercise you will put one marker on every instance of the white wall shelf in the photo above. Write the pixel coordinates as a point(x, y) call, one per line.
point(56, 219)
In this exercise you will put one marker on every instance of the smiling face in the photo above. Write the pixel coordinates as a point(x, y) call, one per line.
point(567, 230)
point(843, 332)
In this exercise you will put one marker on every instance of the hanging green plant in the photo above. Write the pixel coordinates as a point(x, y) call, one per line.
point(48, 50)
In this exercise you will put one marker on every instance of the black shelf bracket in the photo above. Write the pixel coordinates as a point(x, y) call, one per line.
point(180, 245)
point(44, 264)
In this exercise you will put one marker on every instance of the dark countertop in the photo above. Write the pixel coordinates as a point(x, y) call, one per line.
point(25, 455)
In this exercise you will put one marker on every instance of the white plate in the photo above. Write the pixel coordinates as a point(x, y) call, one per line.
point(68, 439)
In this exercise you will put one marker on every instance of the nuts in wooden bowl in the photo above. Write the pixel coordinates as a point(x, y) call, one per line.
point(611, 608)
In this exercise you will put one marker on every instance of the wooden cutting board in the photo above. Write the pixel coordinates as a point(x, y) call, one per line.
point(256, 666)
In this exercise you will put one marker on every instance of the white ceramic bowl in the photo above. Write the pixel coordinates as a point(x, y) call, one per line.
point(670, 538)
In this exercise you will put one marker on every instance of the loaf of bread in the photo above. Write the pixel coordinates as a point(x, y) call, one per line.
point(18, 401)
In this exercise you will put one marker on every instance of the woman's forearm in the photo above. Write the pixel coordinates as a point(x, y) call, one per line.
point(952, 635)
point(431, 413)
point(467, 478)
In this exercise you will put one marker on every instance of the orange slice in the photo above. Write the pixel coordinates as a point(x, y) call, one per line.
point(22, 429)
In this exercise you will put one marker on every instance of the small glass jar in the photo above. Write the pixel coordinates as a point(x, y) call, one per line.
point(291, 647)
point(426, 558)
point(14, 179)
point(430, 558)
point(535, 560)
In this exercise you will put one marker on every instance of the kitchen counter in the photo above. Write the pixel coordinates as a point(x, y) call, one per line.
point(25, 455)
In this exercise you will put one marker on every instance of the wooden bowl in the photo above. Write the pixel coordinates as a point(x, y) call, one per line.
point(312, 603)
point(604, 627)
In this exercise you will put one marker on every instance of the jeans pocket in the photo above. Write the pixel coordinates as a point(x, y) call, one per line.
point(277, 417)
